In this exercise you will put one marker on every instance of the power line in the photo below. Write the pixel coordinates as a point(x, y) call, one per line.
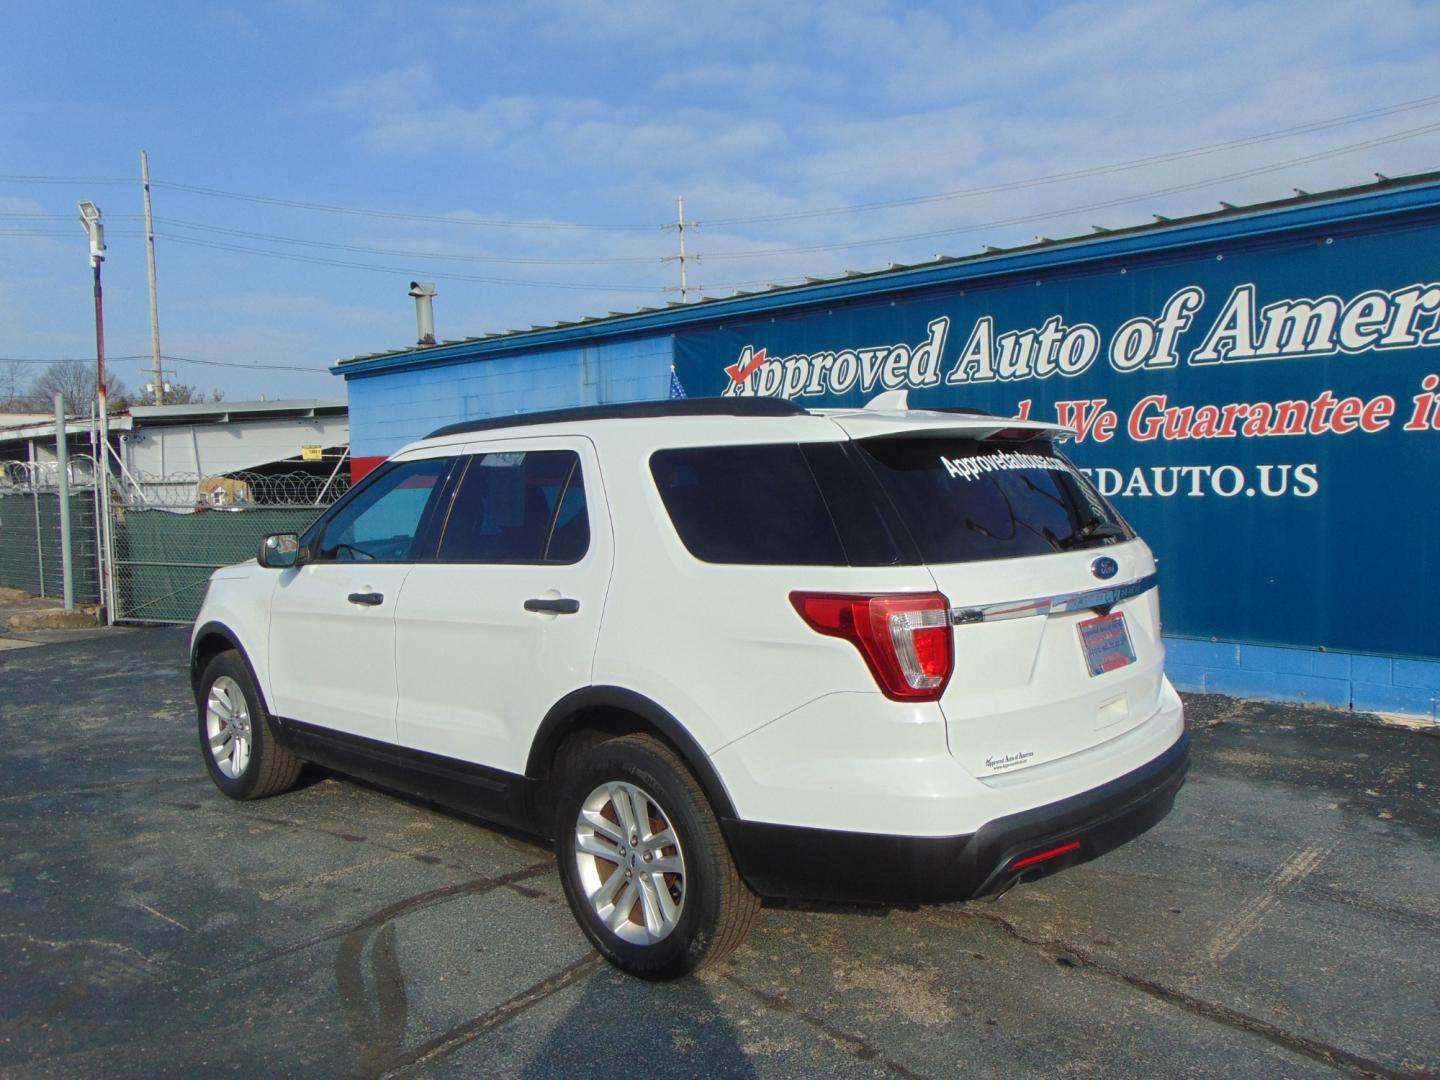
point(1095, 170)
point(63, 232)
point(802, 249)
point(444, 219)
point(400, 253)
point(469, 220)
point(241, 364)
point(1102, 205)
point(31, 216)
point(171, 359)
point(754, 254)
point(67, 359)
point(319, 261)
point(68, 179)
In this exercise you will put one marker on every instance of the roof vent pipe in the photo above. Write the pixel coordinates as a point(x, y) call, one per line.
point(424, 294)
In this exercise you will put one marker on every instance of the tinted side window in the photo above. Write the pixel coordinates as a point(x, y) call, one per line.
point(859, 509)
point(382, 521)
point(521, 507)
point(757, 505)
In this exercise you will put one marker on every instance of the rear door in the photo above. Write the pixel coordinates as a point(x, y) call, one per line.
point(1057, 632)
point(503, 623)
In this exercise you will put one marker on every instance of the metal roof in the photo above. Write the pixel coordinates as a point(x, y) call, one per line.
point(45, 429)
point(1386, 195)
point(219, 412)
point(138, 416)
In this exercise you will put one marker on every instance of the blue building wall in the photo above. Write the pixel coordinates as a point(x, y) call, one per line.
point(388, 410)
point(1341, 680)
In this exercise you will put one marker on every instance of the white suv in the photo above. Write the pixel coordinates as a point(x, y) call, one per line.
point(717, 649)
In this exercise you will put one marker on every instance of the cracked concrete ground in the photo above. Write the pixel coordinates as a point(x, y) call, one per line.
point(1281, 922)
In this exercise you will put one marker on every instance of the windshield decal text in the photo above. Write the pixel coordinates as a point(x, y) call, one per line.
point(969, 468)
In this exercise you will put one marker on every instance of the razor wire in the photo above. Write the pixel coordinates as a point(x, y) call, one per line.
point(171, 532)
point(240, 490)
point(22, 477)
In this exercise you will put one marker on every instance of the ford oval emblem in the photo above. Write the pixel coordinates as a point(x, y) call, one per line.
point(1104, 568)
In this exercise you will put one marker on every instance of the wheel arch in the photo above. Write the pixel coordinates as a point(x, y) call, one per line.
point(209, 642)
point(611, 711)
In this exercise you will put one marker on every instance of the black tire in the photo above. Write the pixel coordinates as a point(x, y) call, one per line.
point(269, 768)
point(717, 907)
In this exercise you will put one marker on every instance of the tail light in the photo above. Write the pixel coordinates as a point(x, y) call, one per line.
point(905, 638)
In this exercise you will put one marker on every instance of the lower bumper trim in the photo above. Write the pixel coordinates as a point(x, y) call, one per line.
point(824, 864)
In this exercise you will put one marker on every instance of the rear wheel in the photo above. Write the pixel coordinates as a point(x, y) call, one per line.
point(237, 738)
point(644, 865)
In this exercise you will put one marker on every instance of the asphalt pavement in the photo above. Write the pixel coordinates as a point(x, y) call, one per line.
point(1281, 922)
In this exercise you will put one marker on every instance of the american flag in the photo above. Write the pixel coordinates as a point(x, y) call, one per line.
point(676, 390)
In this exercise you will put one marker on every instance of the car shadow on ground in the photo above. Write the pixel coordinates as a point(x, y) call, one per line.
point(603, 1033)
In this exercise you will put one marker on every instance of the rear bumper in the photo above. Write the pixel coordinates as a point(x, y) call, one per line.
point(822, 864)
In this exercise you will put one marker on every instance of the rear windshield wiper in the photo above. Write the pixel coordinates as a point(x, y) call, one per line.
point(1096, 526)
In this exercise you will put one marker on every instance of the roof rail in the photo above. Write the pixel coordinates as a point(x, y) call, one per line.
point(635, 410)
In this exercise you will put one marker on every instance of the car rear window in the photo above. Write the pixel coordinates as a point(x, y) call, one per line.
point(778, 504)
point(965, 501)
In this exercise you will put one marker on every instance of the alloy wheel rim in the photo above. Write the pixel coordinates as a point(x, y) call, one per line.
point(228, 727)
point(631, 865)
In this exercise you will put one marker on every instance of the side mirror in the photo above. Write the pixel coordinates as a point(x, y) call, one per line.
point(279, 551)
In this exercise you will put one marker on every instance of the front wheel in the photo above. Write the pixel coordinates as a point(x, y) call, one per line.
point(236, 737)
point(644, 865)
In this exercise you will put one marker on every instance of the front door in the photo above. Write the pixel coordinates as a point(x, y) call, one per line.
point(332, 621)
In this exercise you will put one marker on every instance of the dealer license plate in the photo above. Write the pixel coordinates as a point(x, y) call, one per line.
point(1107, 643)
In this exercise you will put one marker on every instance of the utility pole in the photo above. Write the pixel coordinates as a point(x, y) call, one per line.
point(150, 262)
point(90, 218)
point(680, 226)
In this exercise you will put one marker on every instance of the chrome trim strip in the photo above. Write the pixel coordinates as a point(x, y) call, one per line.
point(1053, 605)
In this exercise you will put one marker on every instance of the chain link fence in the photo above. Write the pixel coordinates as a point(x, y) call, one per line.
point(30, 538)
point(171, 533)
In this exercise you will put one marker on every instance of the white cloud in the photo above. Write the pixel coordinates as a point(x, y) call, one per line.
point(417, 129)
point(708, 83)
point(398, 88)
point(680, 144)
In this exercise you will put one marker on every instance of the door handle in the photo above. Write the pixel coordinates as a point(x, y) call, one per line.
point(562, 606)
point(367, 599)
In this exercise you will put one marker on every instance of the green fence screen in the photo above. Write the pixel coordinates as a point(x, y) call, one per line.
point(163, 559)
point(30, 555)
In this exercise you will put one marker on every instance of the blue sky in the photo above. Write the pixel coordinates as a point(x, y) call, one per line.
point(518, 122)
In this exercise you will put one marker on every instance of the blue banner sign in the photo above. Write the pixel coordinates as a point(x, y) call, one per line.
point(1266, 411)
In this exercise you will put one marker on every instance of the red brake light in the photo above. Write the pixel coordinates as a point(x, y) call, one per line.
point(905, 638)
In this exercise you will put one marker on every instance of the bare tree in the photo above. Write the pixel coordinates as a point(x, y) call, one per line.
point(12, 380)
point(76, 380)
